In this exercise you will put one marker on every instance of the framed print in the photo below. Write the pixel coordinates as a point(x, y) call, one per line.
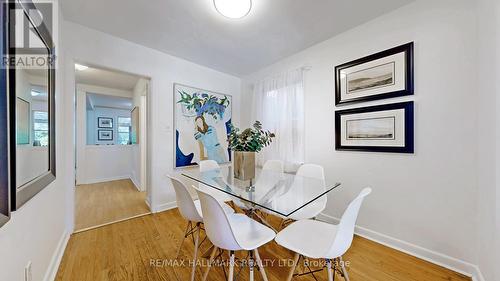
point(201, 120)
point(105, 135)
point(22, 121)
point(104, 122)
point(381, 128)
point(383, 75)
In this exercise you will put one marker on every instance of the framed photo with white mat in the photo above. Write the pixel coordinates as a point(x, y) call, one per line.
point(380, 128)
point(387, 74)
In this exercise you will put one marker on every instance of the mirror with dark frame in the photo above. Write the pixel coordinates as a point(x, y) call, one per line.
point(4, 140)
point(32, 123)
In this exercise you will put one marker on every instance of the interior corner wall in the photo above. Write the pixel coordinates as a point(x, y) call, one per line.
point(37, 231)
point(92, 47)
point(497, 235)
point(424, 202)
point(486, 141)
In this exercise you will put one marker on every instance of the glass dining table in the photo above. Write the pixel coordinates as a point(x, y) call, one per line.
point(282, 194)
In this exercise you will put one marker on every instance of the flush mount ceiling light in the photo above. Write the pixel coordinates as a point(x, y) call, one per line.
point(80, 67)
point(233, 9)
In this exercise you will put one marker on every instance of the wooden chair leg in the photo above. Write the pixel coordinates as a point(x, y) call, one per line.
point(292, 270)
point(329, 268)
point(260, 265)
point(182, 242)
point(344, 270)
point(206, 254)
point(209, 265)
point(231, 266)
point(196, 242)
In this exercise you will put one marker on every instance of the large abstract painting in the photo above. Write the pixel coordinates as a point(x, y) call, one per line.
point(201, 120)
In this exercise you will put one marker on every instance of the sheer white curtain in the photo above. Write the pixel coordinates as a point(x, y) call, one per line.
point(278, 102)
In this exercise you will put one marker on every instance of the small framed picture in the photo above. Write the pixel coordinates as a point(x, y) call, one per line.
point(104, 122)
point(105, 135)
point(382, 75)
point(381, 128)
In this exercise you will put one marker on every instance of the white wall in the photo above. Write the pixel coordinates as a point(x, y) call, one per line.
point(487, 141)
point(105, 163)
point(37, 230)
point(497, 240)
point(91, 47)
point(423, 202)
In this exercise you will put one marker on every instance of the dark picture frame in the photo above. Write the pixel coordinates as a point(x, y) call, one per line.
point(407, 49)
point(22, 194)
point(100, 138)
point(408, 147)
point(104, 119)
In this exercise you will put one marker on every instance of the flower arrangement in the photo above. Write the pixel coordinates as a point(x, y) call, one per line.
point(251, 139)
point(203, 103)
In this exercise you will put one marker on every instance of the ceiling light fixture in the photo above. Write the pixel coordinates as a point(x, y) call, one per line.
point(80, 67)
point(233, 9)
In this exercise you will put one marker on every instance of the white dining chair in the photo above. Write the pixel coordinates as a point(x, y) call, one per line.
point(314, 208)
point(320, 240)
point(209, 165)
point(317, 206)
point(191, 211)
point(274, 165)
point(233, 232)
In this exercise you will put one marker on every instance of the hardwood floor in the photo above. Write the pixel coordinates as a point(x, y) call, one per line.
point(144, 249)
point(106, 202)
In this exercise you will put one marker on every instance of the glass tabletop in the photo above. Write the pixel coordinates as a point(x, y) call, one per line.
point(282, 193)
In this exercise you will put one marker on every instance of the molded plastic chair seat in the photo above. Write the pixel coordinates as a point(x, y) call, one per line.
point(320, 240)
point(197, 205)
point(233, 232)
point(209, 165)
point(308, 237)
point(314, 208)
point(249, 233)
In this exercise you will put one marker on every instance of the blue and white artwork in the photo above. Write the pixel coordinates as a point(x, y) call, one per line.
point(202, 121)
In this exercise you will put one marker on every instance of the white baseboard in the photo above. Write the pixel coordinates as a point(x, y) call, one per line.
point(92, 181)
point(451, 263)
point(477, 275)
point(138, 186)
point(164, 207)
point(55, 261)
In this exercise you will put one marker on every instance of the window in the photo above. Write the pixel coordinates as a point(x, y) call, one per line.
point(40, 128)
point(124, 124)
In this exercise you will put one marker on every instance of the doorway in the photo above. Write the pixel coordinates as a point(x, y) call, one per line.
point(111, 146)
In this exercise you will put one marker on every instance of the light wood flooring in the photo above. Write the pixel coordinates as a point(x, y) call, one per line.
point(106, 202)
point(141, 249)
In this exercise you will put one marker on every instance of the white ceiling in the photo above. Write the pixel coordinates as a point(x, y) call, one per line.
point(193, 30)
point(107, 78)
point(96, 100)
